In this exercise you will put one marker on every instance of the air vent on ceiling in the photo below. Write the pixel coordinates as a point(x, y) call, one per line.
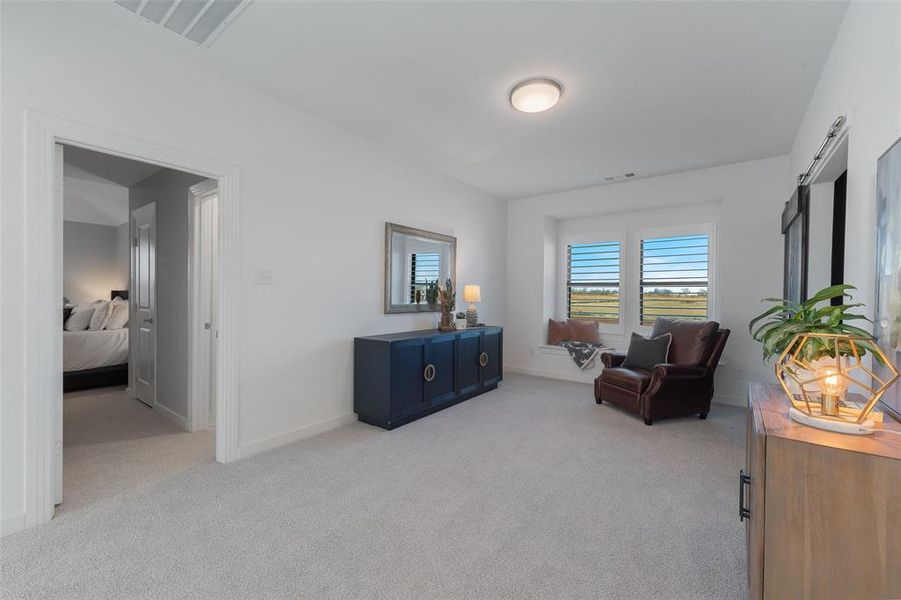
point(612, 178)
point(197, 20)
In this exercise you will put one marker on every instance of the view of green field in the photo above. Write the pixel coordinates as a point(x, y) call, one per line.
point(604, 307)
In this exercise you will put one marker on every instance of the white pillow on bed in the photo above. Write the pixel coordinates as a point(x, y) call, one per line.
point(118, 315)
point(101, 316)
point(80, 318)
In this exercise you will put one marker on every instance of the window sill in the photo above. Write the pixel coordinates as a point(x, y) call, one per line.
point(561, 351)
point(546, 349)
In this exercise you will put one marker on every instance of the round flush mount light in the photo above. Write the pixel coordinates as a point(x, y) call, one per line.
point(535, 95)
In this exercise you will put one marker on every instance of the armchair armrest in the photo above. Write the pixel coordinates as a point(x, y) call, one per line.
point(612, 359)
point(670, 371)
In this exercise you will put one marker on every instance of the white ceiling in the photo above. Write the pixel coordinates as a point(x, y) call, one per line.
point(95, 185)
point(651, 87)
point(79, 162)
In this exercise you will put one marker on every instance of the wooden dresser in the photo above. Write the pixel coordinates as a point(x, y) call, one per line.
point(822, 509)
point(401, 377)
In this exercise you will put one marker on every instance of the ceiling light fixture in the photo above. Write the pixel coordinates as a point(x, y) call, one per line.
point(535, 95)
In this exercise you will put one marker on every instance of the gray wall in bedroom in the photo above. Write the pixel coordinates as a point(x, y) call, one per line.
point(171, 192)
point(95, 260)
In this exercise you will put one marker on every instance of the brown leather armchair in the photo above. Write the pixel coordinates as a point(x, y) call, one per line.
point(683, 386)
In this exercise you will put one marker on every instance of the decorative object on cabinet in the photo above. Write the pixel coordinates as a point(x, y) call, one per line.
point(401, 377)
point(820, 509)
point(819, 357)
point(448, 299)
point(786, 318)
point(472, 294)
point(818, 396)
point(461, 320)
point(415, 261)
point(888, 268)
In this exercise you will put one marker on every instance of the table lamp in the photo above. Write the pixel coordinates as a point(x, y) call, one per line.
point(818, 393)
point(472, 294)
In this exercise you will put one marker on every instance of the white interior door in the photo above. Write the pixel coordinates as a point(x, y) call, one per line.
point(142, 313)
point(207, 274)
point(58, 405)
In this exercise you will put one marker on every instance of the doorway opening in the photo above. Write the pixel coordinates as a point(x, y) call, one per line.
point(140, 324)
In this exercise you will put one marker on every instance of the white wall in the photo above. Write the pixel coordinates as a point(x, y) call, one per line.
point(123, 255)
point(743, 200)
point(862, 80)
point(305, 186)
point(171, 192)
point(92, 262)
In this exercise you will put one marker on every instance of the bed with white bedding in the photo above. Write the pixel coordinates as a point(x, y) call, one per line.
point(88, 349)
point(95, 357)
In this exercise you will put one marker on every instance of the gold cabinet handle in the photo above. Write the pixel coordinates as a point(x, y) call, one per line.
point(429, 373)
point(483, 358)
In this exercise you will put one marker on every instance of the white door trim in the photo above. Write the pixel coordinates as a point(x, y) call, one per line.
point(198, 417)
point(43, 292)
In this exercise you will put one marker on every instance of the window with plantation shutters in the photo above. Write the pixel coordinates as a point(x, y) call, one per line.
point(674, 278)
point(424, 269)
point(593, 281)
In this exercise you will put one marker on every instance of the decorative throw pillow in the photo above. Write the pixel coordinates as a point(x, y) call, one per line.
point(584, 330)
point(691, 339)
point(557, 331)
point(100, 316)
point(80, 318)
point(644, 352)
point(118, 315)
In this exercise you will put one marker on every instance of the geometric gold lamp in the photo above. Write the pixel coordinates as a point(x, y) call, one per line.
point(818, 390)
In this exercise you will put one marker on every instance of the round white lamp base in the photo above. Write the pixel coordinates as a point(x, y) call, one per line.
point(864, 428)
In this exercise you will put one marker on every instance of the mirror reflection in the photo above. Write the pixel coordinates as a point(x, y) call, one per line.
point(416, 262)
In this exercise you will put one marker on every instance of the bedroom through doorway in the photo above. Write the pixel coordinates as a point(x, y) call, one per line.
point(139, 280)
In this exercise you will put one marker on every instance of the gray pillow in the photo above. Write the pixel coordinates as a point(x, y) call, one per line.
point(644, 352)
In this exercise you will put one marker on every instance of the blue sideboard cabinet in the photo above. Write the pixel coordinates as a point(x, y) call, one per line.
point(400, 377)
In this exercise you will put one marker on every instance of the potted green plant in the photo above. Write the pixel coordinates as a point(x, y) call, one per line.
point(431, 292)
point(776, 327)
point(461, 320)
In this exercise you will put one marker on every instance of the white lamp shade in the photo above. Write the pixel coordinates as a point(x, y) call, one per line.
point(472, 293)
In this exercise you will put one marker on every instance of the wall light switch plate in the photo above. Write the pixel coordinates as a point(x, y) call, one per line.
point(263, 277)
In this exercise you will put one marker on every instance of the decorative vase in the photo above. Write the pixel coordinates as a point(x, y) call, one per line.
point(461, 323)
point(447, 320)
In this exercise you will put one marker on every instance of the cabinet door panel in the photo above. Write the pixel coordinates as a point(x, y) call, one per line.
point(407, 379)
point(491, 356)
point(468, 346)
point(442, 355)
point(755, 459)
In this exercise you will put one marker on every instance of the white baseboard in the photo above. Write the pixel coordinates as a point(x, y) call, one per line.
point(172, 415)
point(586, 378)
point(280, 439)
point(12, 524)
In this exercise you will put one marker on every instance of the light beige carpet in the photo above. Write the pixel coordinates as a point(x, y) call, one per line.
point(114, 445)
point(528, 491)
